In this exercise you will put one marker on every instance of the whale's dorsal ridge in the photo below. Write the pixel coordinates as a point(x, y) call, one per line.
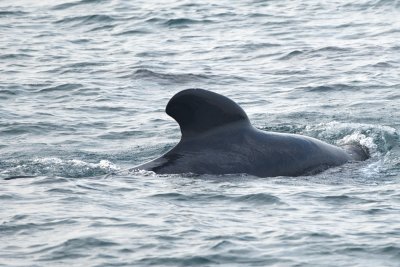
point(198, 111)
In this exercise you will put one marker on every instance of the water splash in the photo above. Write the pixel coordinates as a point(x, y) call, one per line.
point(57, 167)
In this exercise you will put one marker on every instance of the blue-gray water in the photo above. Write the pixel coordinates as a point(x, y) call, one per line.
point(83, 87)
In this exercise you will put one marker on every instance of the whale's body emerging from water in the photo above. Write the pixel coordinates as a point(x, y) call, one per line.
point(217, 138)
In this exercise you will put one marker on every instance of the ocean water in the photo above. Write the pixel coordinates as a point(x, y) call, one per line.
point(83, 87)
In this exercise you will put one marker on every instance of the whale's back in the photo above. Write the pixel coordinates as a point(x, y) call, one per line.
point(217, 138)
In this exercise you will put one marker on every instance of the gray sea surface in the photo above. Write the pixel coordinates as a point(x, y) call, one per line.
point(83, 88)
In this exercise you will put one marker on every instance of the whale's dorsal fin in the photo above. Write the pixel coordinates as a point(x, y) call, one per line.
point(198, 111)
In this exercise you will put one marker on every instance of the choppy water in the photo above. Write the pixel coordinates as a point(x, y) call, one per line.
point(83, 86)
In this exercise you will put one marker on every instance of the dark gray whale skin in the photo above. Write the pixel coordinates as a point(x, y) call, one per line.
point(217, 138)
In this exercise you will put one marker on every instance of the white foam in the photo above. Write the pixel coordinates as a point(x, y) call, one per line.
point(358, 138)
point(377, 138)
point(143, 172)
point(103, 164)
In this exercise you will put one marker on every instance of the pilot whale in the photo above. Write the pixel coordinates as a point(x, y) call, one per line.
point(218, 138)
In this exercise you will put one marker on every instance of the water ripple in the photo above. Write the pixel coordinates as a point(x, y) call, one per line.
point(74, 248)
point(329, 88)
point(184, 22)
point(167, 77)
point(77, 3)
point(12, 13)
point(86, 20)
point(62, 87)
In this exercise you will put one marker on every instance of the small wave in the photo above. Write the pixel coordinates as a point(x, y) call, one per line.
point(351, 25)
point(132, 32)
point(291, 55)
point(77, 3)
point(8, 197)
point(8, 92)
point(390, 32)
point(78, 67)
point(259, 198)
point(172, 196)
point(155, 54)
point(395, 47)
point(167, 77)
point(16, 128)
point(332, 49)
point(393, 250)
point(104, 27)
point(344, 199)
point(373, 4)
point(15, 56)
point(119, 135)
point(383, 65)
point(80, 41)
point(85, 20)
point(259, 15)
point(184, 22)
point(328, 88)
point(12, 13)
point(177, 261)
point(62, 87)
point(224, 244)
point(256, 46)
point(74, 248)
point(62, 191)
point(335, 50)
point(154, 20)
point(375, 211)
point(176, 22)
point(84, 64)
point(15, 225)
